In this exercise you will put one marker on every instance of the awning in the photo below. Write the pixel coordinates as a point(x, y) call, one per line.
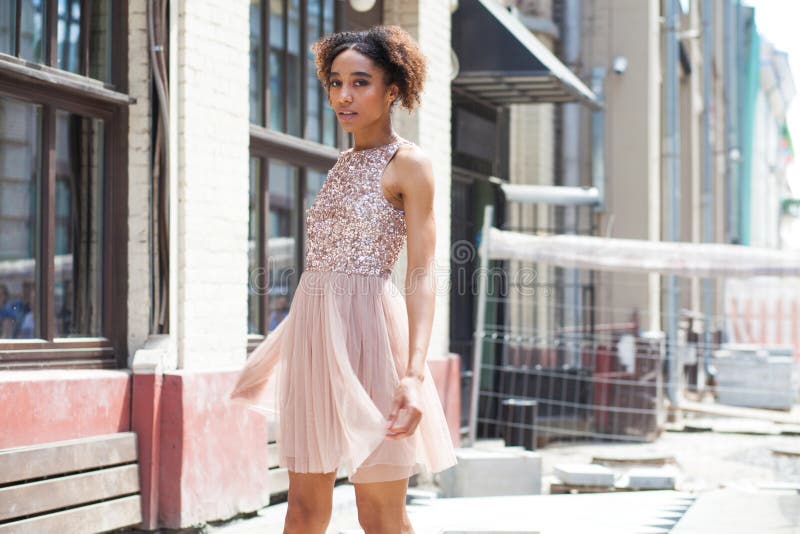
point(501, 62)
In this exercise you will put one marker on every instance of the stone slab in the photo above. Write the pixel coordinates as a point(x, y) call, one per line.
point(652, 477)
point(483, 473)
point(584, 474)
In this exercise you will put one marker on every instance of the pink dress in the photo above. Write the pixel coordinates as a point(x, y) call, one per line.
point(328, 371)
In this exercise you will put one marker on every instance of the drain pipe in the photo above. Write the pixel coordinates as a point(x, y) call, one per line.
point(672, 161)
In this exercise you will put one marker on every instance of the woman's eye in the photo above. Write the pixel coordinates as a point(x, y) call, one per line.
point(337, 83)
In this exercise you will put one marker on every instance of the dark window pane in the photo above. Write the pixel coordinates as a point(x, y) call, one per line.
point(69, 35)
point(256, 64)
point(100, 40)
point(31, 31)
point(276, 26)
point(313, 185)
point(276, 101)
point(20, 164)
point(283, 232)
point(8, 26)
point(79, 229)
point(328, 117)
point(328, 17)
point(313, 110)
point(329, 126)
point(276, 65)
point(256, 278)
point(293, 70)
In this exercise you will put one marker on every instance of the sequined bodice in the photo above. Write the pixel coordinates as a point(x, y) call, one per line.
point(351, 227)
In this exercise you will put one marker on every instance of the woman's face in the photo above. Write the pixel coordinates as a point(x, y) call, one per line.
point(357, 92)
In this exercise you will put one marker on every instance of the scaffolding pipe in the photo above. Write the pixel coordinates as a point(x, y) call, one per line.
point(477, 349)
point(551, 194)
point(571, 307)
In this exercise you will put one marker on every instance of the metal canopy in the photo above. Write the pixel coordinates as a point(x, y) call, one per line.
point(501, 62)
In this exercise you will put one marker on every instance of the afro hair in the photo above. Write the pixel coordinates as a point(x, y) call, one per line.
point(389, 47)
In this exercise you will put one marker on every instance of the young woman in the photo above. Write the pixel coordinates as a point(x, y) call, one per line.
point(351, 384)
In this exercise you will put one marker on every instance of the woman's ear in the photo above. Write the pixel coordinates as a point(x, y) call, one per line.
point(394, 93)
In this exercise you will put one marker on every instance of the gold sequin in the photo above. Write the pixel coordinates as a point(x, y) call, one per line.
point(351, 227)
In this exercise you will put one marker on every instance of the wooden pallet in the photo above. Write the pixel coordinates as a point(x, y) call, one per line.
point(82, 485)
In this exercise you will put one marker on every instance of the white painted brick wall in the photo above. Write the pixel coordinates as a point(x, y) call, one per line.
point(428, 21)
point(139, 303)
point(213, 130)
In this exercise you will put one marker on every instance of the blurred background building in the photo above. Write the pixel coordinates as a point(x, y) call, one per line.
point(157, 158)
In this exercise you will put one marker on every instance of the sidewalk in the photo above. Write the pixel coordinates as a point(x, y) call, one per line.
point(738, 511)
point(719, 490)
point(647, 512)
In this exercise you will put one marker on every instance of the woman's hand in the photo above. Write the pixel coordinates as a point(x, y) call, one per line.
point(407, 399)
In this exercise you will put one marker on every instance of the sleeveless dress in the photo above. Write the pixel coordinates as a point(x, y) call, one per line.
point(328, 371)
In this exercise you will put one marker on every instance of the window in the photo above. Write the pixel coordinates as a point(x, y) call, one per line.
point(276, 248)
point(285, 94)
point(70, 35)
point(62, 254)
point(286, 173)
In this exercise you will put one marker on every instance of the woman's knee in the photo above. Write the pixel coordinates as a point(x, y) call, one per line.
point(378, 517)
point(310, 502)
point(305, 515)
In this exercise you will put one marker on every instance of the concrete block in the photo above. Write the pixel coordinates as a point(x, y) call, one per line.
point(652, 477)
point(489, 444)
point(584, 474)
point(484, 473)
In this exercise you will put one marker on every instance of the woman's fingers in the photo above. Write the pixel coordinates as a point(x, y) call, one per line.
point(408, 428)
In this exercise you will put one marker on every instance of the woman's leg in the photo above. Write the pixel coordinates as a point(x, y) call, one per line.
point(310, 502)
point(382, 507)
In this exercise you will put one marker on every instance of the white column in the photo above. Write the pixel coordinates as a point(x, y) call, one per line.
point(213, 153)
point(428, 21)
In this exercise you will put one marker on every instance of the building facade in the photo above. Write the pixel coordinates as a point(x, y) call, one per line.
point(157, 161)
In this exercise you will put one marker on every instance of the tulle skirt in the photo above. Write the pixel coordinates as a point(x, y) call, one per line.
point(328, 373)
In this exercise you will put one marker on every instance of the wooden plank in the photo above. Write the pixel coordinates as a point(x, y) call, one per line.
point(100, 517)
point(737, 411)
point(278, 480)
point(24, 463)
point(72, 490)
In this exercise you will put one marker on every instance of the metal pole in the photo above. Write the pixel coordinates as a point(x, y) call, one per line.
point(477, 349)
point(731, 122)
point(570, 155)
point(599, 138)
point(708, 187)
point(672, 161)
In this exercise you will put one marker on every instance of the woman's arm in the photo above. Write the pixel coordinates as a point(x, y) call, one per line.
point(416, 185)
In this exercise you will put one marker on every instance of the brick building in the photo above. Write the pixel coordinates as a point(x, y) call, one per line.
point(156, 160)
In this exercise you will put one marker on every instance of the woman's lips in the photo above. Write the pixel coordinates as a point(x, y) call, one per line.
point(347, 115)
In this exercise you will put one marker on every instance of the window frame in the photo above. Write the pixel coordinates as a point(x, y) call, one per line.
point(54, 89)
point(339, 12)
point(267, 144)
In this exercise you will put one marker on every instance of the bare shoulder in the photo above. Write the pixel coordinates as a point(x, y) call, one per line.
point(413, 170)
